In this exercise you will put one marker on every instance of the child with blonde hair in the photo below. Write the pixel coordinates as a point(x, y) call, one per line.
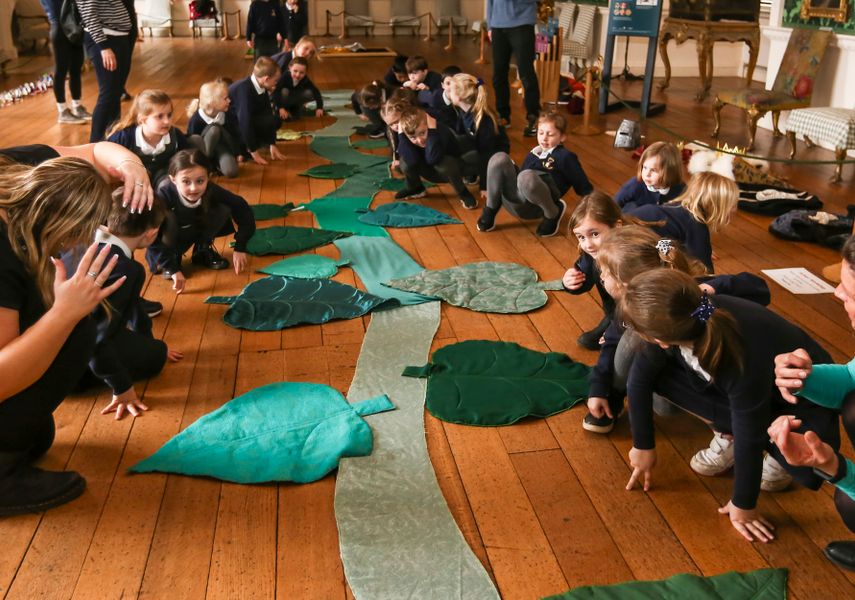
point(304, 48)
point(147, 131)
point(659, 178)
point(215, 127)
point(477, 127)
point(707, 205)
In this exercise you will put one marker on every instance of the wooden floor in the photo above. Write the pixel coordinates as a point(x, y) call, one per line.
point(541, 503)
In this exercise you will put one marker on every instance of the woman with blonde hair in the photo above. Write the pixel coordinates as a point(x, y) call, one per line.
point(708, 204)
point(45, 339)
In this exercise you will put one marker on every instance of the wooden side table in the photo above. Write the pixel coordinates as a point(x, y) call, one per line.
point(705, 34)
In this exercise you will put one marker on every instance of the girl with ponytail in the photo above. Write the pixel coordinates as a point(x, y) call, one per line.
point(477, 128)
point(713, 356)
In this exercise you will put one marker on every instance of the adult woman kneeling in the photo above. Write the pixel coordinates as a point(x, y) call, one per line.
point(46, 339)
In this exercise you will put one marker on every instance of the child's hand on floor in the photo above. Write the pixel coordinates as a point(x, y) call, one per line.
point(174, 355)
point(178, 281)
point(126, 401)
point(363, 118)
point(256, 156)
point(749, 523)
point(319, 112)
point(275, 154)
point(284, 114)
point(239, 262)
point(573, 279)
point(642, 462)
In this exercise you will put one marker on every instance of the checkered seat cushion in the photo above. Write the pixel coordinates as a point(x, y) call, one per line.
point(833, 126)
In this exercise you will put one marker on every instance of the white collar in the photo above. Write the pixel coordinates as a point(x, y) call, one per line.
point(102, 236)
point(189, 204)
point(219, 118)
point(258, 89)
point(662, 191)
point(445, 98)
point(541, 153)
point(147, 148)
point(694, 363)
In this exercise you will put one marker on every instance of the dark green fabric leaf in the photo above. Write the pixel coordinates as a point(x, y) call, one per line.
point(274, 303)
point(371, 144)
point(391, 184)
point(331, 171)
point(265, 212)
point(305, 266)
point(406, 214)
point(763, 584)
point(288, 239)
point(482, 286)
point(480, 382)
point(278, 432)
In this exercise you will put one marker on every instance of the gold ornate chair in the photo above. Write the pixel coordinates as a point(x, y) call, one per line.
point(793, 85)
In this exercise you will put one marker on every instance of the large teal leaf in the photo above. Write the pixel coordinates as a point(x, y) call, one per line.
point(265, 212)
point(274, 303)
point(763, 584)
point(305, 266)
point(288, 239)
point(330, 171)
point(278, 432)
point(483, 286)
point(339, 213)
point(480, 382)
point(406, 214)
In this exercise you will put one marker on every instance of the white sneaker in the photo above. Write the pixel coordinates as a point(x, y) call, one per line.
point(80, 112)
point(66, 116)
point(714, 460)
point(775, 478)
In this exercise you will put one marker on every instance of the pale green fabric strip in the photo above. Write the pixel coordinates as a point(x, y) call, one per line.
point(398, 538)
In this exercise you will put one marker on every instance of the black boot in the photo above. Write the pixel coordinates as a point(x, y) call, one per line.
point(487, 221)
point(841, 554)
point(207, 256)
point(590, 340)
point(27, 489)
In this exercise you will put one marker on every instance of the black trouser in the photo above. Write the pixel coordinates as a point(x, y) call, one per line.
point(263, 46)
point(844, 503)
point(518, 41)
point(175, 240)
point(111, 84)
point(26, 419)
point(447, 171)
point(68, 62)
point(142, 355)
point(265, 128)
point(294, 101)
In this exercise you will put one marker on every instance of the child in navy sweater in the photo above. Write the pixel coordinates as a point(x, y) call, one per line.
point(419, 77)
point(438, 103)
point(147, 131)
point(253, 108)
point(397, 76)
point(708, 203)
point(265, 27)
point(294, 89)
point(199, 211)
point(216, 127)
point(477, 126)
point(296, 16)
point(659, 178)
point(391, 113)
point(304, 48)
point(535, 191)
point(125, 350)
point(429, 149)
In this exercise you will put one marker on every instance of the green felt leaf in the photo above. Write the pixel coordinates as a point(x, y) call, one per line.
point(265, 212)
point(481, 382)
point(305, 266)
point(339, 213)
point(406, 214)
point(288, 239)
point(337, 149)
point(483, 286)
point(278, 432)
point(391, 184)
point(371, 144)
point(274, 303)
point(331, 171)
point(762, 584)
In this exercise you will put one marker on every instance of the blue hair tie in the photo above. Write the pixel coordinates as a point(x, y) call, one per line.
point(704, 310)
point(479, 82)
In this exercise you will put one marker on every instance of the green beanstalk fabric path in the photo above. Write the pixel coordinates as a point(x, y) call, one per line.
point(330, 171)
point(398, 539)
point(312, 429)
point(480, 382)
point(375, 260)
point(406, 214)
point(265, 212)
point(339, 213)
point(763, 584)
point(370, 144)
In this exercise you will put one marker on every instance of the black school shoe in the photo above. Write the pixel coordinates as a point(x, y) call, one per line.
point(150, 307)
point(841, 554)
point(209, 258)
point(602, 424)
point(590, 340)
point(549, 227)
point(405, 193)
point(487, 220)
point(468, 201)
point(27, 489)
point(530, 129)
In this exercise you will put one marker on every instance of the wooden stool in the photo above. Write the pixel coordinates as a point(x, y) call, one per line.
point(834, 126)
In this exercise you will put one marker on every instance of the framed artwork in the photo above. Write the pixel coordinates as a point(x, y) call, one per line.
point(837, 10)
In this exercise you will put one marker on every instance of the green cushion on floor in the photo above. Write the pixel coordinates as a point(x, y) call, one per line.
point(277, 432)
point(481, 382)
point(288, 239)
point(305, 266)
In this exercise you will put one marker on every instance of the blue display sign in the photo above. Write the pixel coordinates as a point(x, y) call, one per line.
point(635, 17)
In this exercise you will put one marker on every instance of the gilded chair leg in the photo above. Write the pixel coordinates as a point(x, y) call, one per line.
point(716, 112)
point(791, 136)
point(840, 155)
point(753, 116)
point(776, 114)
point(809, 142)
